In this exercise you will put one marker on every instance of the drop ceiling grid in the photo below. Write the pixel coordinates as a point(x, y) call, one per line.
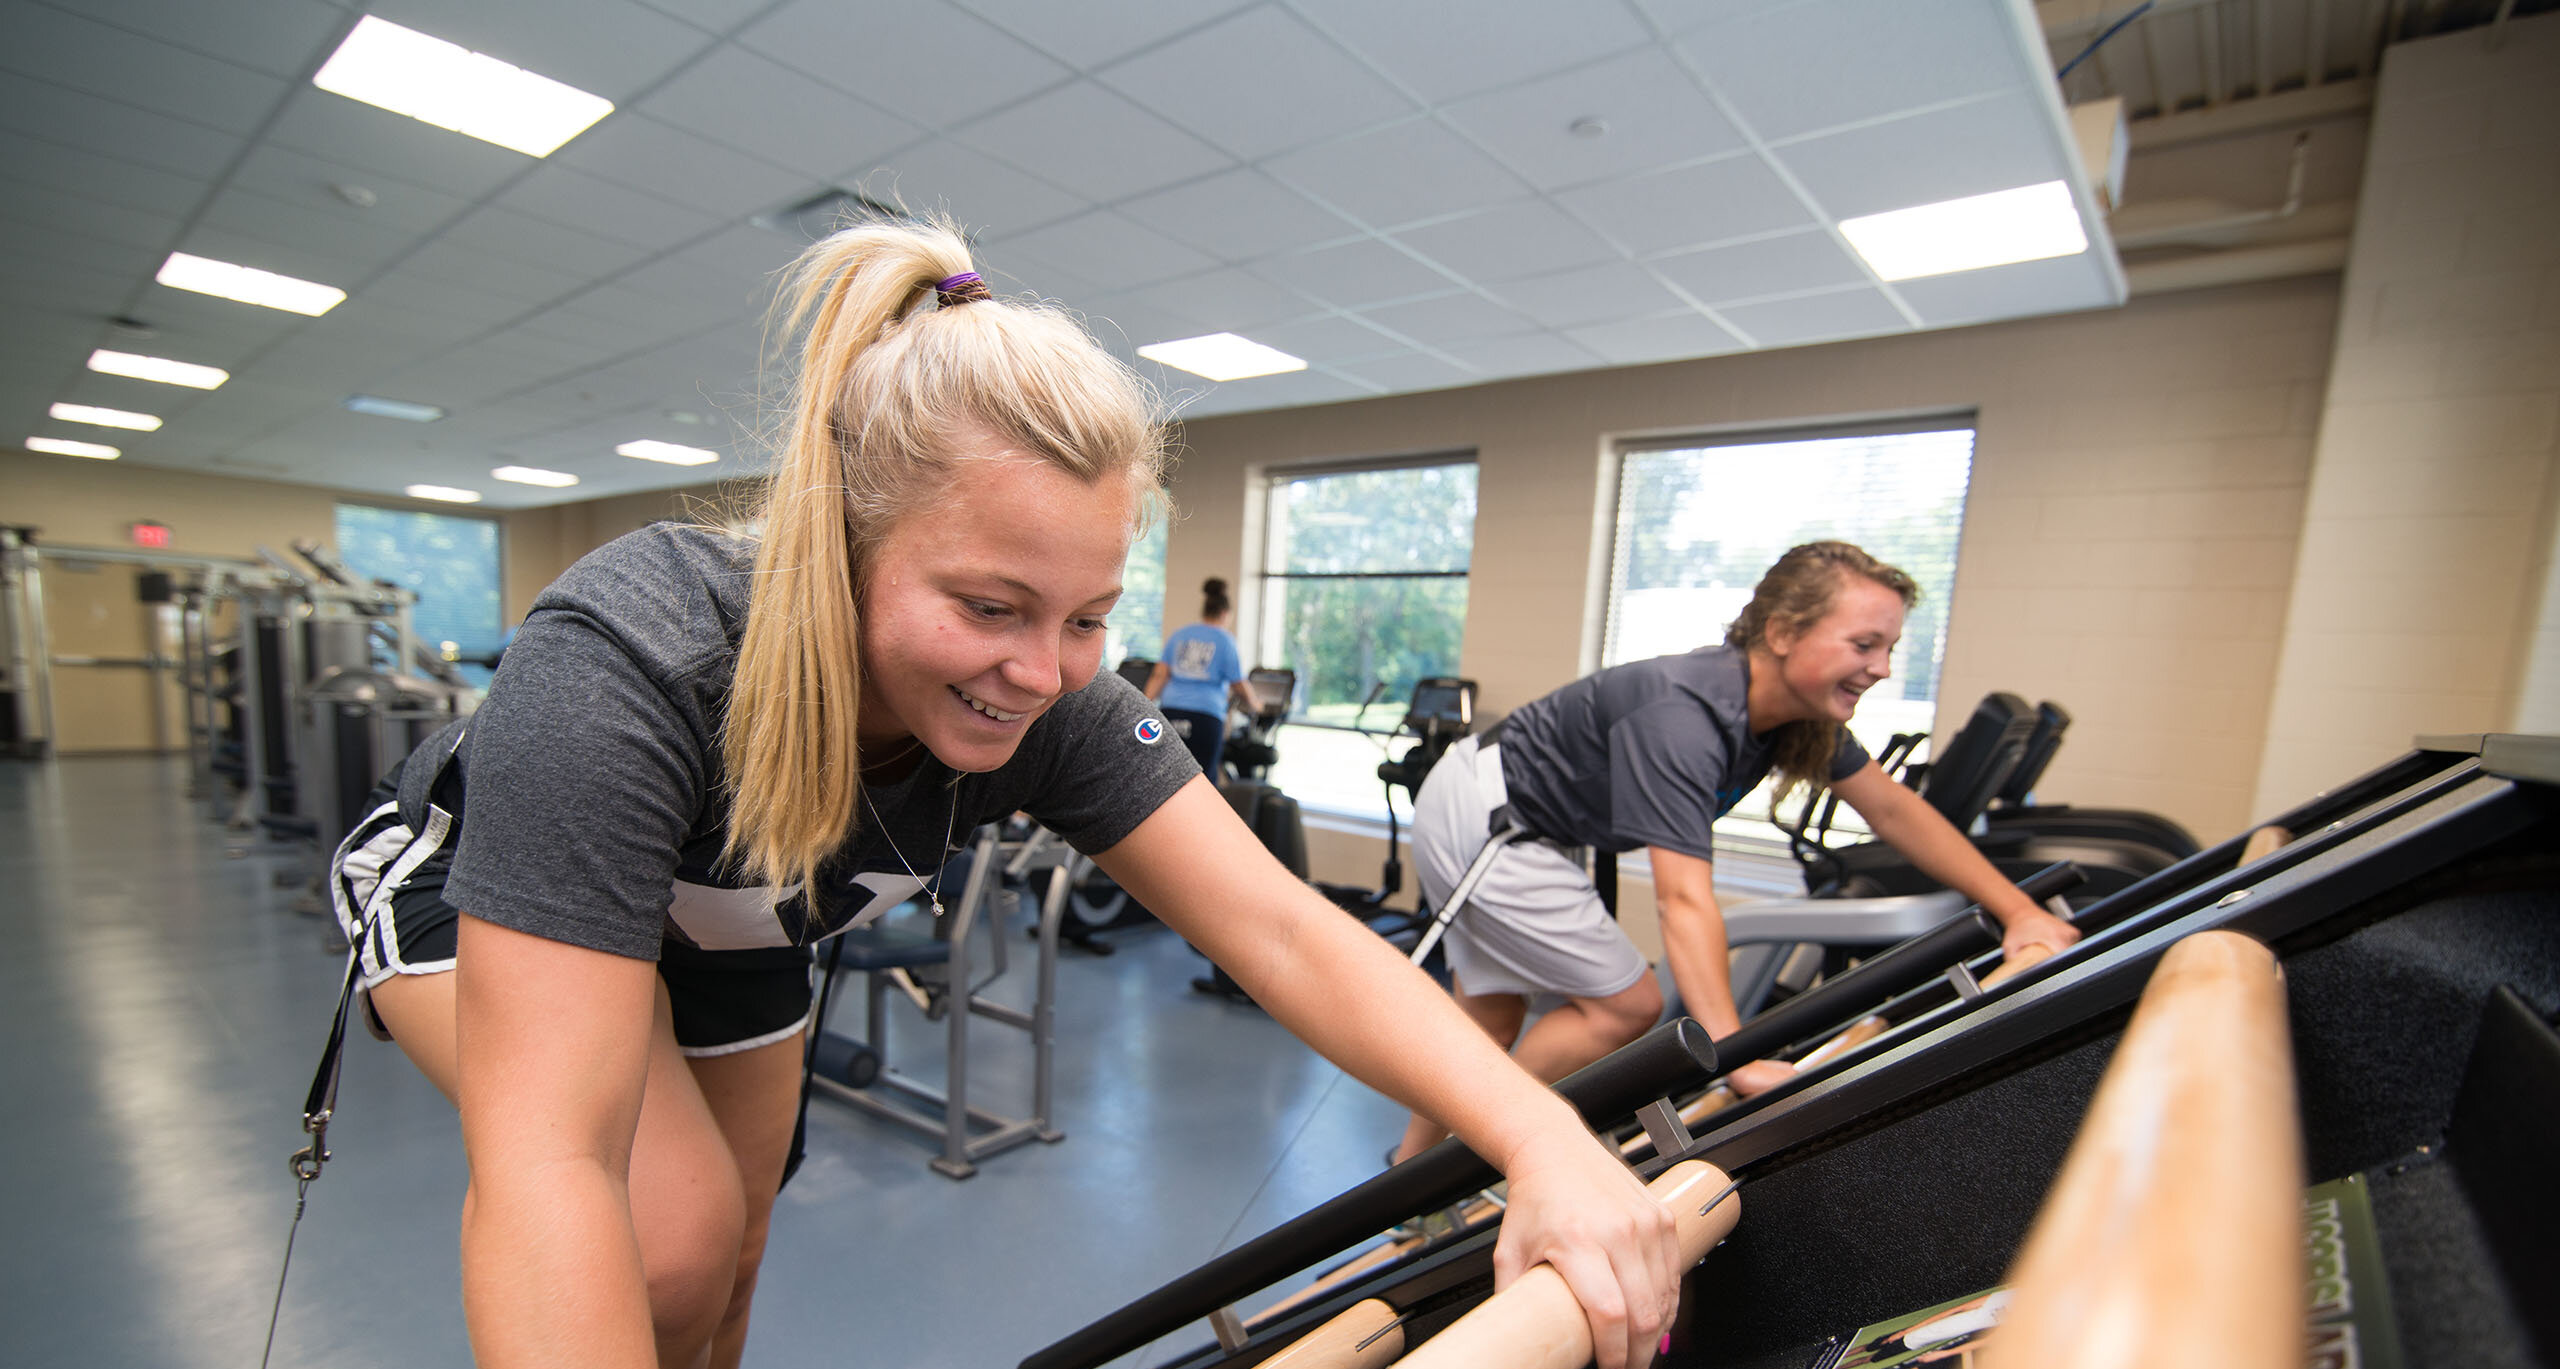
point(1433, 180)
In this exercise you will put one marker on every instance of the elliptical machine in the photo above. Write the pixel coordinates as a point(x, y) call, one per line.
point(1441, 710)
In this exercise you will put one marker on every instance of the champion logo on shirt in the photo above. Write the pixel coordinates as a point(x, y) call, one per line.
point(1150, 731)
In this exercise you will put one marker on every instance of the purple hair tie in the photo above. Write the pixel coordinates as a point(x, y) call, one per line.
point(960, 289)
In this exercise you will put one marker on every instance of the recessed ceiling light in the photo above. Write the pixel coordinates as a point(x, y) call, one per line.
point(452, 87)
point(446, 494)
point(161, 369)
point(107, 418)
point(248, 284)
point(669, 452)
point(2030, 223)
point(379, 407)
point(530, 475)
point(95, 451)
point(1222, 356)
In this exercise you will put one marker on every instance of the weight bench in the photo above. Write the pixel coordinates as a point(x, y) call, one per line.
point(856, 1071)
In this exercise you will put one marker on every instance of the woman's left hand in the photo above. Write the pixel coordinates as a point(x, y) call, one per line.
point(1576, 1206)
point(2034, 926)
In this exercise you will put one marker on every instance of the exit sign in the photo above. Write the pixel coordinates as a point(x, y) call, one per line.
point(152, 535)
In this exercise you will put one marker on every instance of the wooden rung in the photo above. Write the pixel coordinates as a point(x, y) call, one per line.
point(2175, 1223)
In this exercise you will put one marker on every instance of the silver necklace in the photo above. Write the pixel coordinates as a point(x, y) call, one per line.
point(933, 891)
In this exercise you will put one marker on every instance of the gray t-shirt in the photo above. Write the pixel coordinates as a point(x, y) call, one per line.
point(593, 788)
point(1649, 753)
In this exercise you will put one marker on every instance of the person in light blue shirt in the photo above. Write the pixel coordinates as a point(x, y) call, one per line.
point(1200, 673)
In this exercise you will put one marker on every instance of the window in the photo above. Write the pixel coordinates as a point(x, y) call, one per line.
point(1137, 622)
point(1699, 521)
point(451, 563)
point(1364, 592)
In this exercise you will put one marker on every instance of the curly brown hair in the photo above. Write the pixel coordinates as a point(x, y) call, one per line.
point(1795, 594)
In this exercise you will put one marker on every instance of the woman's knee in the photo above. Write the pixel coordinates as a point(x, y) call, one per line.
point(691, 1242)
point(1632, 1011)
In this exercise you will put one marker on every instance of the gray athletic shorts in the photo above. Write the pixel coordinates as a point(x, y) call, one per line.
point(1534, 924)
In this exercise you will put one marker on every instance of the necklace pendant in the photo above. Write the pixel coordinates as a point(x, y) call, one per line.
point(937, 907)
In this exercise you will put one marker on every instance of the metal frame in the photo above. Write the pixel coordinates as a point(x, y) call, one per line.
point(970, 1133)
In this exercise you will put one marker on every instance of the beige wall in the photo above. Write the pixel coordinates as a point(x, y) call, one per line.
point(2137, 484)
point(541, 543)
point(2419, 593)
point(90, 611)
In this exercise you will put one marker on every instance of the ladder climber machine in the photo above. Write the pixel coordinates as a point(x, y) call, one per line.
point(2358, 995)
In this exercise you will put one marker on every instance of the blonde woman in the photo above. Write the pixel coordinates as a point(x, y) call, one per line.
point(704, 754)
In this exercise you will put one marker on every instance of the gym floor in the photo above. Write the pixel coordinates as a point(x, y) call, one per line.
point(163, 1010)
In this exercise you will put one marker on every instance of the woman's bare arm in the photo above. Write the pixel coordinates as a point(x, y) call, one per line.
point(553, 1046)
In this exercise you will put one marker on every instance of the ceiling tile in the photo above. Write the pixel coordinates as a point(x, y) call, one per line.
point(313, 257)
point(1587, 294)
point(531, 284)
point(539, 242)
point(1257, 83)
point(1491, 42)
point(305, 182)
point(1271, 392)
point(1398, 174)
point(298, 239)
point(110, 128)
point(425, 295)
point(1997, 144)
point(707, 295)
point(612, 48)
point(337, 129)
point(1410, 371)
point(565, 195)
point(1862, 312)
point(1109, 250)
point(1090, 35)
point(1227, 300)
point(1329, 339)
point(639, 152)
point(32, 243)
point(30, 162)
point(1655, 114)
point(986, 196)
point(1238, 216)
point(2023, 288)
point(925, 59)
point(1354, 274)
point(274, 36)
point(1085, 136)
point(61, 49)
point(1663, 337)
point(1710, 202)
point(1523, 238)
point(1524, 354)
point(711, 16)
point(1461, 317)
point(1767, 266)
point(1011, 272)
point(1877, 58)
point(786, 118)
point(1131, 321)
point(78, 213)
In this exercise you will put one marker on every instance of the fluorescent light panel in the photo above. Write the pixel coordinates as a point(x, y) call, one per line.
point(249, 285)
point(1222, 356)
point(446, 494)
point(452, 87)
point(401, 409)
point(161, 369)
point(107, 418)
point(649, 449)
point(530, 475)
point(2030, 223)
point(60, 446)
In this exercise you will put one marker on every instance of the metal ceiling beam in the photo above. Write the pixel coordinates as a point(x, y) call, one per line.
point(2339, 100)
